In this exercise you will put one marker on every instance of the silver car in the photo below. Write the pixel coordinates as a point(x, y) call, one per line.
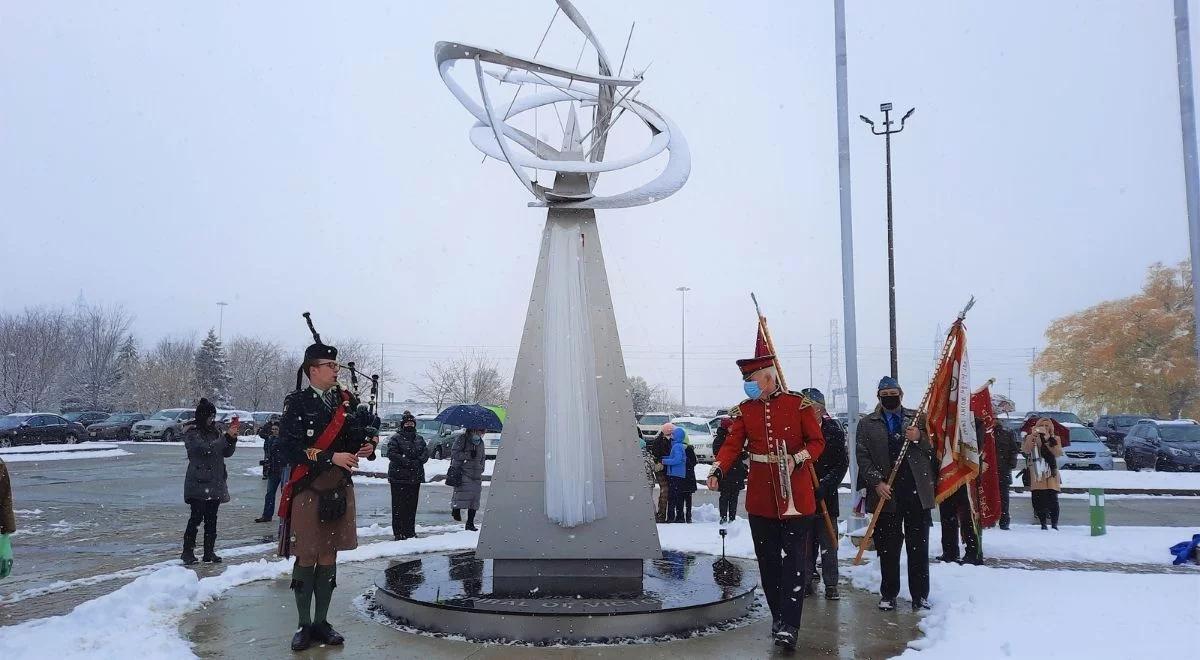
point(165, 425)
point(1086, 451)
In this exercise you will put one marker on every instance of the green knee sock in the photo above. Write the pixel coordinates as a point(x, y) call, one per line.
point(303, 581)
point(326, 581)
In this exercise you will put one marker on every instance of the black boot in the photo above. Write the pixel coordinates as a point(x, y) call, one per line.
point(831, 593)
point(786, 637)
point(456, 514)
point(302, 639)
point(189, 546)
point(471, 520)
point(210, 557)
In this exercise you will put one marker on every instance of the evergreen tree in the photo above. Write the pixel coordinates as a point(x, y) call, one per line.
point(124, 377)
point(212, 372)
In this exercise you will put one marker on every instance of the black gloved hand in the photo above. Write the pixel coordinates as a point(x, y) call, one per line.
point(820, 492)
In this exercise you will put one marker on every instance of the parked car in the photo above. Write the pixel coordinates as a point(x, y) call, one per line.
point(246, 425)
point(1086, 451)
point(38, 429)
point(262, 417)
point(1061, 416)
point(1164, 445)
point(437, 435)
point(1113, 428)
point(119, 426)
point(86, 418)
point(491, 443)
point(391, 422)
point(650, 423)
point(165, 425)
point(700, 435)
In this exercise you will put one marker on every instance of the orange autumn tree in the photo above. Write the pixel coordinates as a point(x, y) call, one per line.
point(1129, 355)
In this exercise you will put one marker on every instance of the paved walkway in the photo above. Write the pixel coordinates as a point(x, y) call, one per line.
point(257, 621)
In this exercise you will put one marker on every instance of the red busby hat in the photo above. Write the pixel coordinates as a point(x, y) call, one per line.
point(751, 365)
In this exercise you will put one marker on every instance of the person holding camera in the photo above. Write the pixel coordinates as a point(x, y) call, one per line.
point(205, 486)
point(1042, 447)
point(407, 454)
point(274, 467)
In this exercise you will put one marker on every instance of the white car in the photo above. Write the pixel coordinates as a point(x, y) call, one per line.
point(700, 434)
point(651, 423)
point(165, 425)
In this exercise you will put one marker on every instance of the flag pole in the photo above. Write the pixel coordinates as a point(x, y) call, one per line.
point(812, 473)
point(862, 546)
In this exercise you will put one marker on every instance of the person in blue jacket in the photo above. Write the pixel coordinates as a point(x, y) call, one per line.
point(676, 469)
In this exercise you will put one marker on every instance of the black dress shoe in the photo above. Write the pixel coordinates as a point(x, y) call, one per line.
point(263, 519)
point(776, 624)
point(831, 593)
point(887, 604)
point(946, 559)
point(324, 633)
point(974, 560)
point(921, 604)
point(786, 637)
point(302, 639)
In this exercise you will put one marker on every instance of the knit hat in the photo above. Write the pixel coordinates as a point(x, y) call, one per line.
point(205, 410)
point(888, 383)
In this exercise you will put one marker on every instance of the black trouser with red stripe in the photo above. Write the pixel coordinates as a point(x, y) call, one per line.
point(782, 548)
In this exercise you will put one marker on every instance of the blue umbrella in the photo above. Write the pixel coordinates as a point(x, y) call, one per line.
point(471, 416)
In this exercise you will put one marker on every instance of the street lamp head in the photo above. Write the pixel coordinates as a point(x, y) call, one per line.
point(908, 114)
point(885, 107)
point(683, 289)
point(866, 121)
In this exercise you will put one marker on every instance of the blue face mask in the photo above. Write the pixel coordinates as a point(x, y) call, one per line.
point(752, 389)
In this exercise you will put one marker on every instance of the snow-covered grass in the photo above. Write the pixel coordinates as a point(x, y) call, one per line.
point(435, 467)
point(983, 612)
point(38, 453)
point(141, 618)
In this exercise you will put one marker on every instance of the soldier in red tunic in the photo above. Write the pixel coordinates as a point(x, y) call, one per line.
point(781, 431)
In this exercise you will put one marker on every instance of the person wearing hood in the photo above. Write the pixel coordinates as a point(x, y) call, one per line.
point(468, 455)
point(1042, 447)
point(689, 477)
point(205, 486)
point(407, 454)
point(660, 448)
point(675, 465)
point(905, 518)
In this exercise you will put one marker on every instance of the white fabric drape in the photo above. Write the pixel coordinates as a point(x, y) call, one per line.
point(574, 456)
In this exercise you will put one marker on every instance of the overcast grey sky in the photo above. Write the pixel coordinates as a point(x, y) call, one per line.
point(165, 156)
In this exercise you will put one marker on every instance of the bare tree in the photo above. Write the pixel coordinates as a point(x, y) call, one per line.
point(37, 351)
point(468, 378)
point(260, 372)
point(97, 334)
point(166, 376)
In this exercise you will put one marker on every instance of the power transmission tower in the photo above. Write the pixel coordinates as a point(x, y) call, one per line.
point(836, 388)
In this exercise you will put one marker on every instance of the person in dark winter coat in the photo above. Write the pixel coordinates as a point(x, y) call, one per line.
point(205, 486)
point(8, 522)
point(905, 518)
point(1006, 462)
point(675, 465)
point(689, 479)
point(468, 455)
point(831, 469)
point(407, 454)
point(660, 448)
point(735, 478)
point(275, 468)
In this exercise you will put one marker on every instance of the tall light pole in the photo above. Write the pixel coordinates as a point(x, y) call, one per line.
point(887, 133)
point(1187, 117)
point(683, 346)
point(221, 322)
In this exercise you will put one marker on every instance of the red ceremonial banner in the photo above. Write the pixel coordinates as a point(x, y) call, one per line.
point(987, 484)
point(949, 423)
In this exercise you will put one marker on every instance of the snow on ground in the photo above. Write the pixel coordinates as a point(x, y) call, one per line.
point(435, 467)
point(1126, 479)
point(141, 619)
point(38, 453)
point(983, 612)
